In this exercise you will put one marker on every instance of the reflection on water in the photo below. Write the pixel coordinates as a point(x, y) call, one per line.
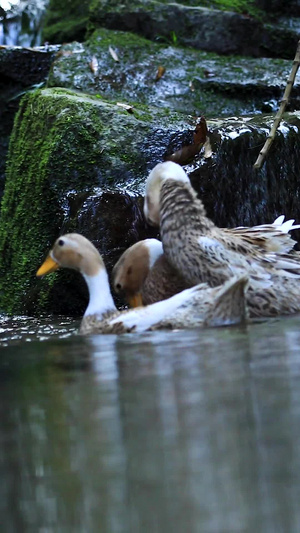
point(13, 330)
point(193, 431)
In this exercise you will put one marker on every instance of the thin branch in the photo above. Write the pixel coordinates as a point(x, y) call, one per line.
point(262, 154)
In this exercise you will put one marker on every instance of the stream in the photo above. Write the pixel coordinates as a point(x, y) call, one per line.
point(185, 431)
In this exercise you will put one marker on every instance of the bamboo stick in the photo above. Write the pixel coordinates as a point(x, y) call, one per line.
point(262, 154)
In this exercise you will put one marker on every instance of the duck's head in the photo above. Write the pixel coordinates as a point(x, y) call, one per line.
point(131, 270)
point(73, 251)
point(160, 173)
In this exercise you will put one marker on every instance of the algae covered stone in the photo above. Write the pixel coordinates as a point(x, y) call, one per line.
point(194, 82)
point(224, 32)
point(64, 145)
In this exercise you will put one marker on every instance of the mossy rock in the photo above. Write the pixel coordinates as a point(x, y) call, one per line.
point(65, 21)
point(64, 146)
point(224, 32)
point(77, 163)
point(194, 82)
point(21, 69)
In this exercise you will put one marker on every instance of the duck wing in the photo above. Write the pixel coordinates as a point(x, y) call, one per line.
point(218, 262)
point(144, 318)
point(273, 237)
point(192, 307)
point(229, 306)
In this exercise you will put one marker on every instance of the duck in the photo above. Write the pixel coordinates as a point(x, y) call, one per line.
point(144, 275)
point(202, 252)
point(197, 306)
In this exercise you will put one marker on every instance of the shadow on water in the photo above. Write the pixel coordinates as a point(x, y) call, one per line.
point(192, 431)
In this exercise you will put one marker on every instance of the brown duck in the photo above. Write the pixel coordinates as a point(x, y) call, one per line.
point(144, 275)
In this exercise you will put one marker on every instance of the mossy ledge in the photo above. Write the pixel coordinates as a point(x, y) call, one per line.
point(63, 144)
point(78, 163)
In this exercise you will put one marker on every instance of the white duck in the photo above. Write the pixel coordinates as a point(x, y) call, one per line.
point(197, 306)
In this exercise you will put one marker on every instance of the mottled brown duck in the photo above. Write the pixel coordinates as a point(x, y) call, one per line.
point(202, 252)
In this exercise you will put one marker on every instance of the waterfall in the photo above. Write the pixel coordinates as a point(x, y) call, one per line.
point(21, 22)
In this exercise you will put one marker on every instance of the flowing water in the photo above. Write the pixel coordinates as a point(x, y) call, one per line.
point(21, 22)
point(186, 431)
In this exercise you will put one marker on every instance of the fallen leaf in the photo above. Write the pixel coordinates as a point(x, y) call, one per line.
point(185, 154)
point(127, 107)
point(200, 132)
point(209, 73)
point(207, 148)
point(200, 139)
point(94, 65)
point(113, 54)
point(64, 53)
point(160, 72)
point(191, 86)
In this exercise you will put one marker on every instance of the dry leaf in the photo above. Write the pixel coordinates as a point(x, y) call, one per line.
point(94, 65)
point(200, 132)
point(127, 107)
point(207, 148)
point(187, 153)
point(191, 86)
point(160, 72)
point(113, 54)
point(209, 73)
point(62, 53)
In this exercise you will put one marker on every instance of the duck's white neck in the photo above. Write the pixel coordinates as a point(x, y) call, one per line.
point(101, 300)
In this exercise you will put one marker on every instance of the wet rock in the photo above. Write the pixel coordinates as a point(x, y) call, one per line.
point(194, 82)
point(21, 70)
point(279, 6)
point(234, 193)
point(64, 147)
point(224, 32)
point(78, 163)
point(66, 21)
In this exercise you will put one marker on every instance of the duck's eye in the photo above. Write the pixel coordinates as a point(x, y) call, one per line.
point(61, 242)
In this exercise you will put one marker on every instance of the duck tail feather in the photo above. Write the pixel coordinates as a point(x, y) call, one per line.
point(229, 307)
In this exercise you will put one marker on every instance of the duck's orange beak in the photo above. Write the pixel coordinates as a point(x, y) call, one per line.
point(136, 300)
point(49, 265)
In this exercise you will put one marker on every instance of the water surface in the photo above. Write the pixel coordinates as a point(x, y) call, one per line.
point(191, 431)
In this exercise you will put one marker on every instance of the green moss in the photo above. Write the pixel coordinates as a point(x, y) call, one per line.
point(48, 156)
point(65, 21)
point(247, 7)
point(64, 145)
point(104, 38)
point(66, 30)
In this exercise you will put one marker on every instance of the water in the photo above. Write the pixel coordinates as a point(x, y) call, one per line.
point(192, 431)
point(21, 22)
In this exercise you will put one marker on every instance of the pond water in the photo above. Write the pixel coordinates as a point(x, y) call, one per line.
point(186, 431)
